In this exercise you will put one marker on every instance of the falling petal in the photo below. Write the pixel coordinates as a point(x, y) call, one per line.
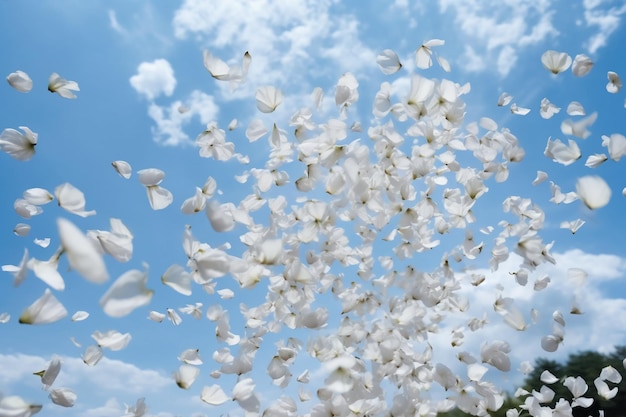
point(46, 309)
point(20, 81)
point(126, 294)
point(593, 191)
point(64, 397)
point(268, 98)
point(81, 253)
point(123, 168)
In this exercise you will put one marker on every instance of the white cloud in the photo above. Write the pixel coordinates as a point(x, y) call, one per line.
point(283, 38)
point(115, 25)
point(498, 30)
point(170, 120)
point(507, 58)
point(606, 21)
point(154, 78)
point(109, 375)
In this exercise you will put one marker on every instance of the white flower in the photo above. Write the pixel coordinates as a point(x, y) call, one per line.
point(19, 146)
point(20, 81)
point(62, 87)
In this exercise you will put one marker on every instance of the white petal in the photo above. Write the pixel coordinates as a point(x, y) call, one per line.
point(79, 316)
point(388, 62)
point(123, 168)
point(81, 254)
point(127, 293)
point(548, 378)
point(51, 373)
point(556, 62)
point(156, 316)
point(92, 355)
point(14, 406)
point(159, 197)
point(151, 176)
point(593, 191)
point(37, 196)
point(21, 229)
point(186, 375)
point(582, 65)
point(214, 395)
point(112, 339)
point(178, 279)
point(256, 130)
point(64, 397)
point(72, 200)
point(268, 98)
point(46, 309)
point(19, 146)
point(20, 81)
point(47, 272)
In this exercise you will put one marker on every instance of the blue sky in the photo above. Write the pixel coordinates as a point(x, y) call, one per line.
point(138, 62)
